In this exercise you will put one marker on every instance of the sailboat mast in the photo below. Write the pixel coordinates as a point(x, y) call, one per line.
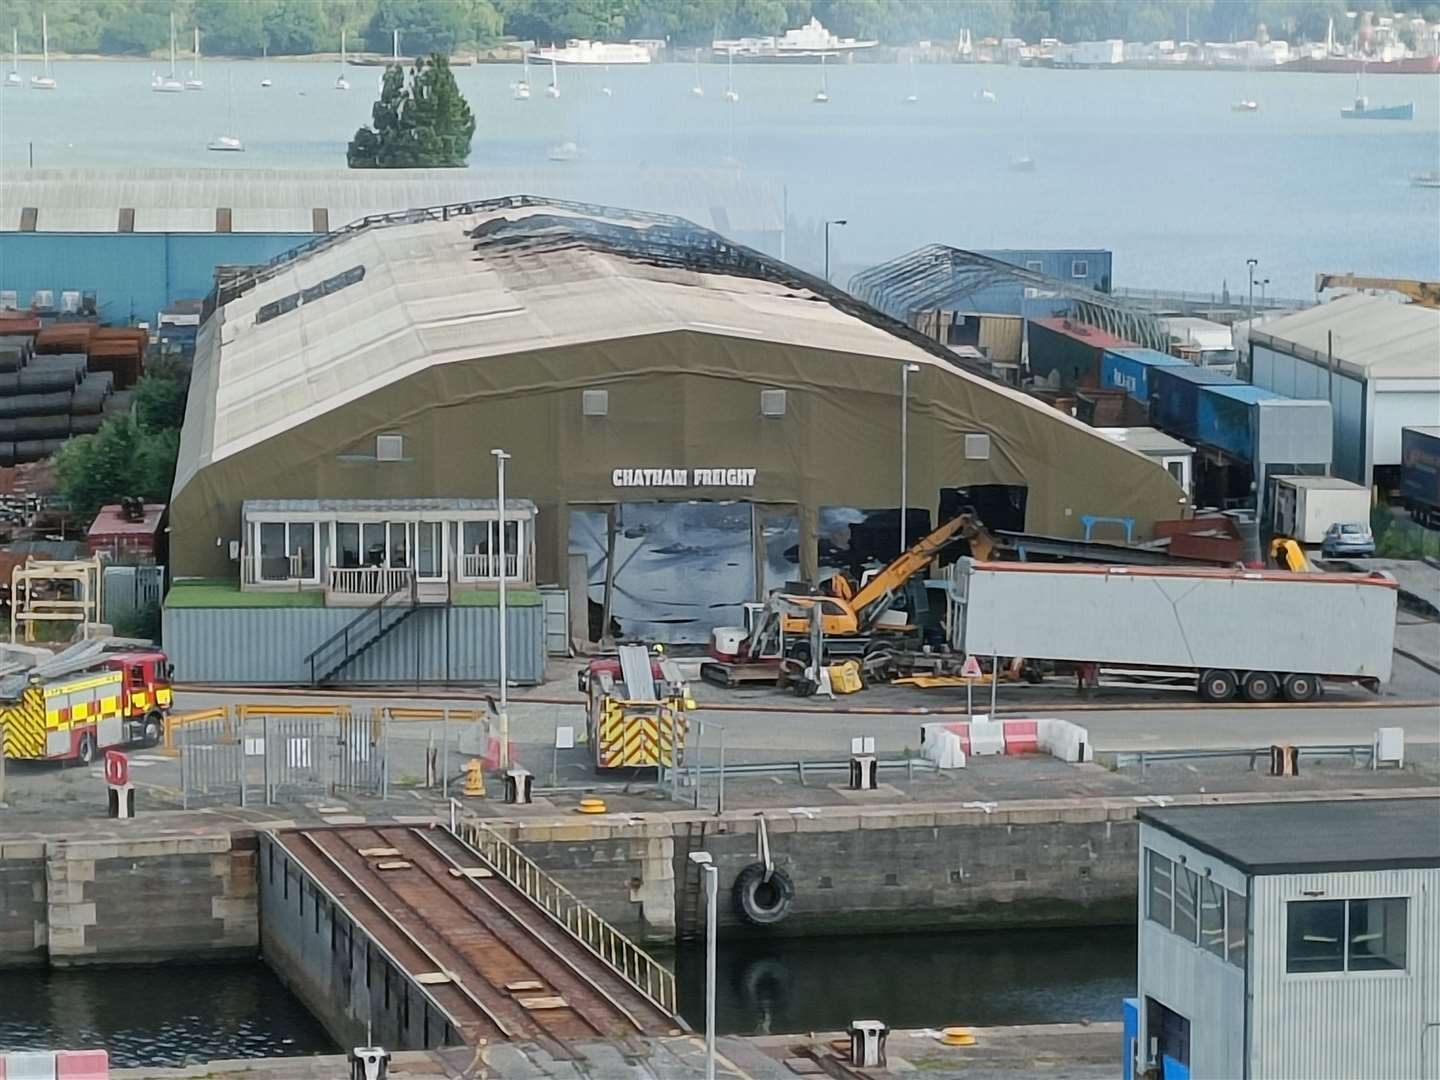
point(45, 39)
point(172, 45)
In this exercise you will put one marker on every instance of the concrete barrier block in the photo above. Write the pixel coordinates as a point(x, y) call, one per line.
point(28, 1065)
point(986, 737)
point(82, 1065)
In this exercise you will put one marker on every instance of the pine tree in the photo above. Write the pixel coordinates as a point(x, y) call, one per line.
point(420, 121)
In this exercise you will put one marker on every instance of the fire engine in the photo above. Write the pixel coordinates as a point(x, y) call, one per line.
point(83, 700)
point(636, 710)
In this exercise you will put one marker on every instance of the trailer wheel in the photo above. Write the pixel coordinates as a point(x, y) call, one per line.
point(1216, 684)
point(85, 751)
point(1299, 687)
point(153, 729)
point(1260, 686)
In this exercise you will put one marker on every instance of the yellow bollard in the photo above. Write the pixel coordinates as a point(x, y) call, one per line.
point(591, 806)
point(957, 1036)
point(474, 779)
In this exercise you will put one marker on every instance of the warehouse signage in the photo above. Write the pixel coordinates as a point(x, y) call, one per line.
point(683, 477)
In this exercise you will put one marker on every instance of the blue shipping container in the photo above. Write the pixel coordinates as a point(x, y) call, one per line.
point(1228, 419)
point(1175, 398)
point(1130, 370)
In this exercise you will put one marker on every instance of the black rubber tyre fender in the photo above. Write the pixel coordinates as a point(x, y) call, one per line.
point(760, 902)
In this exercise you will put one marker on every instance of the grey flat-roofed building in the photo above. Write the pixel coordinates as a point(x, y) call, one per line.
point(1295, 939)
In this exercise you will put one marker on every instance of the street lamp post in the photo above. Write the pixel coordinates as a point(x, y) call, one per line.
point(500, 458)
point(828, 223)
point(711, 872)
point(905, 372)
point(1250, 265)
point(1263, 283)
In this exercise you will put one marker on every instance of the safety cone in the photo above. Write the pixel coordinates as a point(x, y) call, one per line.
point(474, 780)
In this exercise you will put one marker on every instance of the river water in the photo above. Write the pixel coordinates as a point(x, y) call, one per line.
point(1151, 164)
point(172, 1014)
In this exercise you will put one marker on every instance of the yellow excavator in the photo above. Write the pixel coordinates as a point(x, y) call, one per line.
point(1287, 554)
point(1424, 293)
point(850, 615)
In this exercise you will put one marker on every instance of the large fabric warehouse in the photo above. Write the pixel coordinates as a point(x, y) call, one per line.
point(709, 420)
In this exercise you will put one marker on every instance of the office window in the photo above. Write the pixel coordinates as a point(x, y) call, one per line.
point(1376, 935)
point(389, 447)
point(1034, 264)
point(1161, 886)
point(1315, 935)
point(1235, 924)
point(1212, 917)
point(1177, 471)
point(1079, 268)
point(1187, 903)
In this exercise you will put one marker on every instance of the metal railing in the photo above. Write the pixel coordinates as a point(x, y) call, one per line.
point(367, 627)
point(175, 721)
point(369, 580)
point(612, 948)
point(1358, 753)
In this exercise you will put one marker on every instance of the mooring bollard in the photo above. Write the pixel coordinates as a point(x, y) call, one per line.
point(867, 1043)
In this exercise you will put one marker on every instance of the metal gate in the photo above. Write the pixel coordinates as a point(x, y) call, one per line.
point(263, 758)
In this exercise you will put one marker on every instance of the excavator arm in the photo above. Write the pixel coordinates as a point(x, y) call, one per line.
point(890, 580)
point(1424, 293)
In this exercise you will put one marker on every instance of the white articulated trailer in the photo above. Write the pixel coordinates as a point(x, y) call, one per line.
point(1261, 634)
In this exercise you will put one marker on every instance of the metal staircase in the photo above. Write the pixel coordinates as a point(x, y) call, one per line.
point(357, 636)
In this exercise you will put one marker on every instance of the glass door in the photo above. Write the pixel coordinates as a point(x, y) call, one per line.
point(430, 551)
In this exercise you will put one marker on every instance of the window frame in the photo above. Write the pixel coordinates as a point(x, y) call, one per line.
point(1150, 868)
point(1346, 969)
point(257, 524)
point(1079, 268)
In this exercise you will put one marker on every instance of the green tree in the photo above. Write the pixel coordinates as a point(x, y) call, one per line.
point(232, 29)
point(296, 27)
point(421, 121)
point(159, 400)
point(140, 31)
point(426, 26)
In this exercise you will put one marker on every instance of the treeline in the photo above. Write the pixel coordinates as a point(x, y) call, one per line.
point(246, 27)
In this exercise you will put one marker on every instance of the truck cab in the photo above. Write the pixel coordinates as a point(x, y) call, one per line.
point(147, 696)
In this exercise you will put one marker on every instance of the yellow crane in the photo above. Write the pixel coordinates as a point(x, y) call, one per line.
point(1424, 293)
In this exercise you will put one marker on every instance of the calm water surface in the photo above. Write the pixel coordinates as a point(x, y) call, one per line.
point(1152, 164)
point(158, 1015)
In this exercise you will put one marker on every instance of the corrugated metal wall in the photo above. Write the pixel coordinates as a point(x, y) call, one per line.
point(268, 645)
point(1334, 1024)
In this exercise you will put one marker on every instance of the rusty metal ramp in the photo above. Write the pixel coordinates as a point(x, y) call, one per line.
point(499, 947)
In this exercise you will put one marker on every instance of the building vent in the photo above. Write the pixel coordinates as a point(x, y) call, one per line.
point(595, 402)
point(772, 402)
point(127, 220)
point(222, 219)
point(977, 447)
point(319, 219)
point(28, 217)
point(389, 447)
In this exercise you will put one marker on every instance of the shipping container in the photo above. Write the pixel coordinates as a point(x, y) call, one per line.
point(1258, 633)
point(1067, 353)
point(1420, 473)
point(1226, 418)
point(1130, 370)
point(1175, 398)
point(1305, 506)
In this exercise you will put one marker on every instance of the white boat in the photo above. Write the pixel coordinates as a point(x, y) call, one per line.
point(566, 151)
point(12, 77)
point(228, 143)
point(822, 96)
point(520, 91)
point(265, 61)
point(986, 96)
point(45, 80)
point(553, 90)
point(1245, 105)
point(605, 90)
point(698, 90)
point(803, 43)
point(582, 51)
point(195, 82)
point(341, 82)
point(913, 96)
point(168, 84)
point(1426, 180)
point(731, 94)
point(1022, 163)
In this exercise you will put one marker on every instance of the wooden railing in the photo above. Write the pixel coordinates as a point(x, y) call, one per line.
point(479, 564)
point(612, 948)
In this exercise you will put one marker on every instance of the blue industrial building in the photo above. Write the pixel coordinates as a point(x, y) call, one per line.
point(141, 239)
point(1087, 268)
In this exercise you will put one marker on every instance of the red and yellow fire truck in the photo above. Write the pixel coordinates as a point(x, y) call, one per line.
point(122, 698)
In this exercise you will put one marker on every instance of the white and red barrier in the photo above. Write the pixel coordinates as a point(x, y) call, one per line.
point(950, 743)
point(55, 1065)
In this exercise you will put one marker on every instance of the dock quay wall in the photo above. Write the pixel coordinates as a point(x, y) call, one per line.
point(68, 902)
point(1060, 863)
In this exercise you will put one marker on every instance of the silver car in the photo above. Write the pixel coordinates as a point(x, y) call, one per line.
point(1348, 538)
